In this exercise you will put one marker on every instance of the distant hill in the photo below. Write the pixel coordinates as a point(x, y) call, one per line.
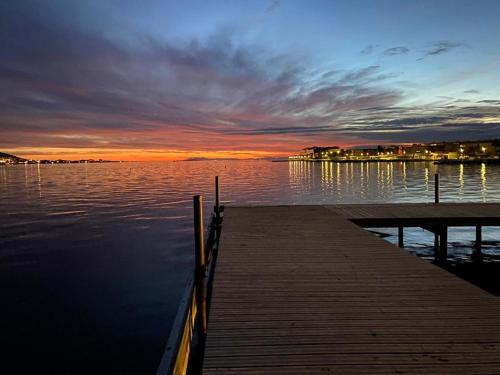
point(12, 158)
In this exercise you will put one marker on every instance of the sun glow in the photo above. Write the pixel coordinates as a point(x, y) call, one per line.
point(41, 153)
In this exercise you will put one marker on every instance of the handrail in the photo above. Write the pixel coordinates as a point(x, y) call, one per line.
point(187, 335)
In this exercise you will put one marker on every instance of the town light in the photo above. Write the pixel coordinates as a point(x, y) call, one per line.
point(483, 148)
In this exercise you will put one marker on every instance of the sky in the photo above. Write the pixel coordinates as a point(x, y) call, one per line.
point(169, 80)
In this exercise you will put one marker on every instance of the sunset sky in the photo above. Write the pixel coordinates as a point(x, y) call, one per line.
point(153, 80)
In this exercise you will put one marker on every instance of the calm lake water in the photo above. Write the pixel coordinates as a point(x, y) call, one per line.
point(94, 257)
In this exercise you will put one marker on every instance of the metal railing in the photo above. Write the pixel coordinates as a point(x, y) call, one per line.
point(184, 351)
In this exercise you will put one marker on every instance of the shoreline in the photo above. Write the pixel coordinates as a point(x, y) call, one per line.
point(453, 161)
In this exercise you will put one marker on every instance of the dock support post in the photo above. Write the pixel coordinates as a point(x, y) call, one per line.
point(217, 200)
point(436, 242)
point(443, 244)
point(200, 265)
point(401, 237)
point(477, 255)
point(436, 188)
point(478, 238)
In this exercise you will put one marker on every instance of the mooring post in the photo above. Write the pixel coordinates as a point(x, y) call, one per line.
point(400, 237)
point(217, 200)
point(436, 188)
point(436, 200)
point(200, 265)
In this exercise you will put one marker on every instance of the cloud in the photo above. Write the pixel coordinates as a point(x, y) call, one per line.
point(471, 92)
point(368, 49)
point(203, 94)
point(59, 82)
point(396, 51)
point(425, 123)
point(440, 47)
point(490, 101)
point(275, 4)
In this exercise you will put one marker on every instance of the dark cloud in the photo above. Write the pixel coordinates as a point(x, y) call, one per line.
point(79, 81)
point(368, 49)
point(396, 51)
point(471, 92)
point(275, 4)
point(440, 47)
point(489, 101)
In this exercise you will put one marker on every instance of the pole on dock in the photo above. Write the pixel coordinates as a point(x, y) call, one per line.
point(217, 200)
point(200, 264)
point(436, 188)
point(400, 237)
point(436, 200)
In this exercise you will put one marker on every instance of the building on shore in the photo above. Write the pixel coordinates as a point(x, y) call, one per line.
point(488, 149)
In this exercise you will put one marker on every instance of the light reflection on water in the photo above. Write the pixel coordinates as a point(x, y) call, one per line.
point(95, 256)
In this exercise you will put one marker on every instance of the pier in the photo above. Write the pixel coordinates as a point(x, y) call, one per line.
point(305, 289)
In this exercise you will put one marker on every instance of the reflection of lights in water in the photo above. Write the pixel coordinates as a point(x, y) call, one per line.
point(330, 170)
point(26, 175)
point(461, 180)
point(292, 177)
point(483, 181)
point(3, 175)
point(378, 176)
point(323, 174)
point(299, 175)
point(39, 180)
point(338, 179)
point(86, 175)
point(362, 179)
point(390, 169)
point(404, 176)
point(426, 178)
point(308, 173)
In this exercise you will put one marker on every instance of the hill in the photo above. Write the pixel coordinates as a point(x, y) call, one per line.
point(8, 158)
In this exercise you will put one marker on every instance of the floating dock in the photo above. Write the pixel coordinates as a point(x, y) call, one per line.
point(305, 289)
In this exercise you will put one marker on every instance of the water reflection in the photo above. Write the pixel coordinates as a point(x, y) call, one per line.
point(461, 180)
point(483, 181)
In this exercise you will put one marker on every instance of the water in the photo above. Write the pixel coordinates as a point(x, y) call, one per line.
point(94, 257)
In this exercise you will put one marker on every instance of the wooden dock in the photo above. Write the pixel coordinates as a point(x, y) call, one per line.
point(302, 289)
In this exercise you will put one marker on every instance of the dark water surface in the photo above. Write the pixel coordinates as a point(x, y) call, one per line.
point(94, 257)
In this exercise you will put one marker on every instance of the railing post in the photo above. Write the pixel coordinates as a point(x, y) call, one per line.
point(436, 188)
point(217, 200)
point(200, 264)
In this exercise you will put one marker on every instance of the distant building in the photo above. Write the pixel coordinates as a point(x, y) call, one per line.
point(418, 151)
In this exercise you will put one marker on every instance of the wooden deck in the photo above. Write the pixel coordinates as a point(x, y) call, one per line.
point(420, 214)
point(303, 290)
